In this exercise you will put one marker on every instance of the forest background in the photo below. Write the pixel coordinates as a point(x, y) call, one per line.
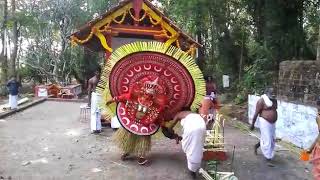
point(245, 39)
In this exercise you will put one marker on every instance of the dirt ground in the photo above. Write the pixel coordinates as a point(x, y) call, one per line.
point(48, 141)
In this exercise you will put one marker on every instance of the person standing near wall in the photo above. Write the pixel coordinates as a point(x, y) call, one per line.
point(315, 148)
point(266, 109)
point(13, 87)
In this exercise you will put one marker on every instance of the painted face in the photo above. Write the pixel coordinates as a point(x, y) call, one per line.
point(151, 86)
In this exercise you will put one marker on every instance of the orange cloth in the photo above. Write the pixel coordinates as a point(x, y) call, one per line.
point(315, 160)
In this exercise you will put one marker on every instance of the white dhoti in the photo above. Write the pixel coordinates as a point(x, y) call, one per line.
point(267, 140)
point(194, 130)
point(95, 118)
point(13, 101)
point(115, 124)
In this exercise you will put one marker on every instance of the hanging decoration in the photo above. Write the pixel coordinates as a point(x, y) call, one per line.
point(153, 17)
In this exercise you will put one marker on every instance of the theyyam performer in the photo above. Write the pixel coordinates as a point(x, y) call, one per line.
point(148, 87)
point(149, 72)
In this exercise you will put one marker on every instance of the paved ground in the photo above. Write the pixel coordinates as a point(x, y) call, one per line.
point(47, 141)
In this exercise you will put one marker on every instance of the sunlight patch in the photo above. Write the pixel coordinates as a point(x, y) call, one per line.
point(72, 132)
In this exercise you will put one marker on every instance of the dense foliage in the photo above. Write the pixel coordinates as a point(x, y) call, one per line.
point(246, 39)
point(44, 52)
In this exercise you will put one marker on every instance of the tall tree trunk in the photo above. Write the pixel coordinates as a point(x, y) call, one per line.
point(318, 47)
point(13, 56)
point(199, 33)
point(3, 54)
point(55, 72)
point(241, 57)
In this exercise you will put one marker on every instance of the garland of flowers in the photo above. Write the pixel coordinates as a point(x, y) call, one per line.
point(178, 44)
point(153, 21)
point(122, 19)
point(142, 18)
point(75, 40)
point(191, 50)
point(105, 28)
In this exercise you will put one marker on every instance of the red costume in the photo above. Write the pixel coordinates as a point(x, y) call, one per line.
point(143, 104)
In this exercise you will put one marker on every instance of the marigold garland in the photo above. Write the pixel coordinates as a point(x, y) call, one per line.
point(191, 50)
point(153, 21)
point(142, 18)
point(122, 19)
point(178, 44)
point(94, 30)
point(75, 39)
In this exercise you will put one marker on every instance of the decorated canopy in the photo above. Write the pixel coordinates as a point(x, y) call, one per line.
point(149, 70)
point(132, 19)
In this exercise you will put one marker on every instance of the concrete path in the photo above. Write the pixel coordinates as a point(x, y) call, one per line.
point(48, 141)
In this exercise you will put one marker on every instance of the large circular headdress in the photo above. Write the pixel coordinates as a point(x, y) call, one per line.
point(177, 71)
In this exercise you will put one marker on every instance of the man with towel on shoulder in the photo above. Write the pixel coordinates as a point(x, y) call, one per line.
point(266, 109)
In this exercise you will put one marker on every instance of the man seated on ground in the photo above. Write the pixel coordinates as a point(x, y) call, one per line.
point(266, 109)
point(194, 131)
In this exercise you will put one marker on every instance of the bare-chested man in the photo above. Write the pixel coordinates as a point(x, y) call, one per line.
point(207, 111)
point(266, 109)
point(94, 99)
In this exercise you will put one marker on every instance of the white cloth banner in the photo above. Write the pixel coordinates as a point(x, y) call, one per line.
point(225, 81)
point(296, 123)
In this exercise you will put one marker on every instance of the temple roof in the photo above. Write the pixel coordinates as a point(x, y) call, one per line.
point(92, 42)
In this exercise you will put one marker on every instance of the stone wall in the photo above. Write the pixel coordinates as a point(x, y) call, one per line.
point(299, 81)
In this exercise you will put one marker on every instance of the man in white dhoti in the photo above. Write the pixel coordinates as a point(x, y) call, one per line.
point(13, 87)
point(266, 109)
point(194, 130)
point(94, 101)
